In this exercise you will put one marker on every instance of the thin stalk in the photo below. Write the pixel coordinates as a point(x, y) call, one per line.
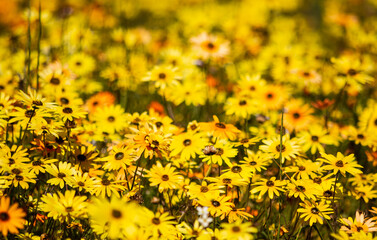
point(39, 43)
point(280, 164)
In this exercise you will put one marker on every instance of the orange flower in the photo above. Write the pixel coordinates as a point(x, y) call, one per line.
point(219, 129)
point(100, 100)
point(157, 107)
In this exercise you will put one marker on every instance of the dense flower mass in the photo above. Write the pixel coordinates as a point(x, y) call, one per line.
point(189, 119)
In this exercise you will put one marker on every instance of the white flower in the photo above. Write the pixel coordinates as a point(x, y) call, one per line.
point(202, 211)
point(205, 221)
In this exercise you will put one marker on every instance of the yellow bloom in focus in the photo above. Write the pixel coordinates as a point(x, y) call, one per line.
point(341, 163)
point(158, 224)
point(71, 112)
point(120, 157)
point(187, 145)
point(314, 212)
point(218, 206)
point(271, 186)
point(11, 217)
point(289, 149)
point(110, 119)
point(61, 174)
point(164, 177)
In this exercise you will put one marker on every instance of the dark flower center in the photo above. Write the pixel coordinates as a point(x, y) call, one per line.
point(29, 113)
point(352, 72)
point(64, 100)
point(360, 136)
point(210, 45)
point(339, 163)
point(359, 229)
point(315, 210)
point(36, 163)
point(4, 216)
point(67, 110)
point(16, 171)
point(19, 178)
point(105, 182)
point(253, 163)
point(69, 209)
point(55, 81)
point(119, 156)
point(317, 180)
point(301, 168)
point(116, 213)
point(204, 189)
point(162, 76)
point(269, 95)
point(187, 142)
point(156, 221)
point(38, 103)
point(245, 140)
point(215, 203)
point(227, 180)
point(328, 193)
point(81, 157)
point(236, 169)
point(296, 115)
point(111, 119)
point(81, 184)
point(270, 183)
point(61, 175)
point(242, 103)
point(220, 125)
point(315, 138)
point(165, 177)
point(282, 148)
point(159, 124)
point(236, 229)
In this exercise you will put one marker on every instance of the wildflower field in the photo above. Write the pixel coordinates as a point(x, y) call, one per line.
point(188, 119)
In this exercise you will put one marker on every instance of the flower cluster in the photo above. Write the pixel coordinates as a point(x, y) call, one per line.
point(188, 119)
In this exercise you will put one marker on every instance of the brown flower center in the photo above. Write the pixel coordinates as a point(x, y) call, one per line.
point(187, 142)
point(30, 113)
point(301, 168)
point(215, 203)
point(282, 148)
point(61, 175)
point(220, 125)
point(328, 193)
point(227, 180)
point(315, 210)
point(81, 157)
point(156, 221)
point(162, 76)
point(352, 72)
point(55, 81)
point(119, 156)
point(36, 163)
point(339, 163)
point(16, 171)
point(315, 138)
point(296, 115)
point(4, 216)
point(300, 189)
point(204, 189)
point(236, 169)
point(165, 177)
point(105, 182)
point(236, 229)
point(242, 103)
point(111, 119)
point(67, 110)
point(270, 183)
point(116, 213)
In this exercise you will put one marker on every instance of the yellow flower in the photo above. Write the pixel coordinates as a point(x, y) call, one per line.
point(341, 163)
point(360, 223)
point(120, 157)
point(238, 230)
point(61, 174)
point(272, 186)
point(314, 212)
point(221, 152)
point(187, 145)
point(218, 206)
point(157, 224)
point(164, 177)
point(64, 206)
point(163, 76)
point(289, 149)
